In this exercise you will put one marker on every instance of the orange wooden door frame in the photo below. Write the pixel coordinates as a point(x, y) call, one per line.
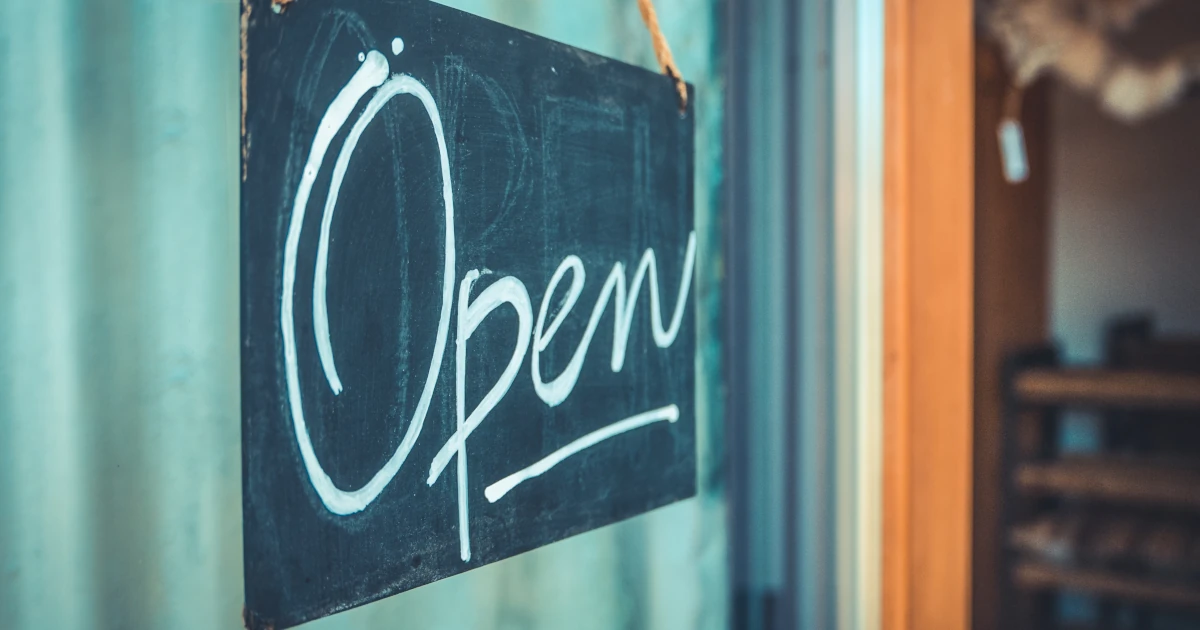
point(928, 330)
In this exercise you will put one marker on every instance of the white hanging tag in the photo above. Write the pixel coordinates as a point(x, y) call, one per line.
point(1012, 151)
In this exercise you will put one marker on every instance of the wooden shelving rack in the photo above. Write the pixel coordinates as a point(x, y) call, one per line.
point(1041, 481)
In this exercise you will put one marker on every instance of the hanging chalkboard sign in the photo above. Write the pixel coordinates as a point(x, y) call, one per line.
point(467, 298)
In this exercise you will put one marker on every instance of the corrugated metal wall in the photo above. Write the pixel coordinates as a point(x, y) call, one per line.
point(119, 412)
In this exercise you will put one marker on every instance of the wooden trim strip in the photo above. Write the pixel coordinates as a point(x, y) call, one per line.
point(928, 310)
point(897, 502)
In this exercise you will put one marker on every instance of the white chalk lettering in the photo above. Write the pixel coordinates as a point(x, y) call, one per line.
point(557, 390)
point(372, 74)
point(471, 313)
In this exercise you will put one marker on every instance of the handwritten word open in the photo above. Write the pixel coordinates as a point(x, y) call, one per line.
point(533, 335)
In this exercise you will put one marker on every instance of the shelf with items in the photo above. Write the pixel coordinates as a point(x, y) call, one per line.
point(1121, 479)
point(1157, 545)
point(1034, 575)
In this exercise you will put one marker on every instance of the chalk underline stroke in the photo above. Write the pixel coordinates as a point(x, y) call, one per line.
point(496, 491)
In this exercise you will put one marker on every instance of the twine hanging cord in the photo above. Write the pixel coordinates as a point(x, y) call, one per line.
point(1012, 102)
point(662, 50)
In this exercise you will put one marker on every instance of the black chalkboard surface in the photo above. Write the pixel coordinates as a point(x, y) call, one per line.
point(452, 228)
